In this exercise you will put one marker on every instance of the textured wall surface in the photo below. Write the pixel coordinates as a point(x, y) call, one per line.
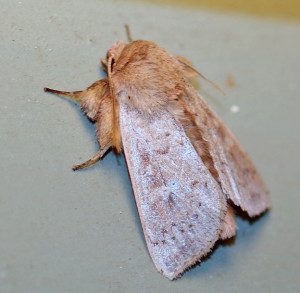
point(62, 231)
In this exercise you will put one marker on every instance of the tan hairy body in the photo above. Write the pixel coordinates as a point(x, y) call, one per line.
point(187, 170)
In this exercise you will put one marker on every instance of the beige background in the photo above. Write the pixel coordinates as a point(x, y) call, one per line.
point(62, 231)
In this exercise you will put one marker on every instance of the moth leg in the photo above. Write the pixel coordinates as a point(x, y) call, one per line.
point(75, 96)
point(92, 160)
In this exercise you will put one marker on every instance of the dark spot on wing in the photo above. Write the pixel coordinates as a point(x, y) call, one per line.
point(145, 158)
point(195, 182)
point(195, 216)
point(171, 199)
point(155, 182)
point(153, 206)
point(223, 163)
point(164, 231)
point(255, 195)
point(163, 151)
point(246, 171)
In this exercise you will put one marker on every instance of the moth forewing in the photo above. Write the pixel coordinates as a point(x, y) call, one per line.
point(180, 205)
point(237, 175)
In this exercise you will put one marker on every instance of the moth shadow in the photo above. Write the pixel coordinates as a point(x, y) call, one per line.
point(244, 216)
point(90, 128)
point(88, 125)
point(130, 198)
point(223, 256)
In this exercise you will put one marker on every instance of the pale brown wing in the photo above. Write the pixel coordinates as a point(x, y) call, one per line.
point(180, 205)
point(228, 225)
point(238, 176)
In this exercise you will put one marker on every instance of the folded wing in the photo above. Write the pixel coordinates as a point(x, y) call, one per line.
point(180, 204)
point(237, 175)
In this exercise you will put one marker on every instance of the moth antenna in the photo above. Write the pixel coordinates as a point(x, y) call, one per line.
point(218, 88)
point(128, 33)
point(75, 96)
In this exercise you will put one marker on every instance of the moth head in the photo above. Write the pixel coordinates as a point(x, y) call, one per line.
point(112, 56)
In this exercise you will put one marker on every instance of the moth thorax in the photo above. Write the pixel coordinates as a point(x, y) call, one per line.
point(143, 103)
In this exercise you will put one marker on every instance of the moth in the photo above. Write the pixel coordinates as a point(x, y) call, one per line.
point(188, 171)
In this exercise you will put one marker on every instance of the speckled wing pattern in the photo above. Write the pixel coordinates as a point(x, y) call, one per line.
point(180, 204)
point(238, 177)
